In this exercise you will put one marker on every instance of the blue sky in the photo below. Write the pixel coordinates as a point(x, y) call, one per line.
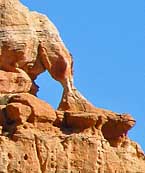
point(107, 40)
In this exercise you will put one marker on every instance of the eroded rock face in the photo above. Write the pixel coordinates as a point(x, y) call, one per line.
point(29, 42)
point(11, 82)
point(35, 138)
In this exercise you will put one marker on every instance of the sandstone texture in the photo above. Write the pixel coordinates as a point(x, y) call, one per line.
point(11, 82)
point(29, 45)
point(35, 138)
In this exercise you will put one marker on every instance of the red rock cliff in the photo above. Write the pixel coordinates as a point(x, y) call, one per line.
point(35, 138)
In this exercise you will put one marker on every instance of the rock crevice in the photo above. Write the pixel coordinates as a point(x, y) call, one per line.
point(38, 154)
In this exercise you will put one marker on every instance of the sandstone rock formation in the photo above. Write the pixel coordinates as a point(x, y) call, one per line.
point(30, 43)
point(35, 138)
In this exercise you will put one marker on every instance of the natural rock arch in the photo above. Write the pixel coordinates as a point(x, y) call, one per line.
point(31, 44)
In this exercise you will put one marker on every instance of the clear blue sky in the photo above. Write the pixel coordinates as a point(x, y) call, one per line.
point(107, 40)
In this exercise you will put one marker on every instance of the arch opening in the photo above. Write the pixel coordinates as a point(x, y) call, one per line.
point(50, 90)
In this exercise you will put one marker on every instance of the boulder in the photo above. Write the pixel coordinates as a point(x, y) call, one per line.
point(18, 113)
point(40, 110)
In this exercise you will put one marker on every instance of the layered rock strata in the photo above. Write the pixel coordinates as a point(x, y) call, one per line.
point(35, 138)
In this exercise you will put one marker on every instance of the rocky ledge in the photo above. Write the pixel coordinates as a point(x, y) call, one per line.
point(38, 139)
